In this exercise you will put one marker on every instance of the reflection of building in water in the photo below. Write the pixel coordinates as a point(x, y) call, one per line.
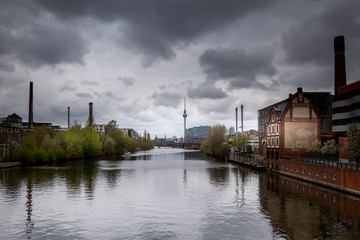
point(297, 208)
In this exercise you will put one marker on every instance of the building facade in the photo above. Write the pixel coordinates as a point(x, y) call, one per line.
point(292, 126)
point(197, 134)
point(346, 106)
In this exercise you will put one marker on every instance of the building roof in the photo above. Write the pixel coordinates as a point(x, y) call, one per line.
point(350, 87)
point(14, 115)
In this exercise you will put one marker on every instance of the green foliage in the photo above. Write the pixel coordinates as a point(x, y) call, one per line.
point(90, 142)
point(315, 147)
point(243, 140)
point(203, 147)
point(352, 146)
point(42, 145)
point(216, 142)
point(109, 145)
point(329, 147)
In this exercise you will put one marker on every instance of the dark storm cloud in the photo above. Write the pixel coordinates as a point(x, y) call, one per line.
point(310, 42)
point(5, 65)
point(206, 90)
point(154, 28)
point(236, 66)
point(166, 99)
point(34, 38)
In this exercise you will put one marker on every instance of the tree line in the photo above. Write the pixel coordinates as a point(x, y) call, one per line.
point(46, 145)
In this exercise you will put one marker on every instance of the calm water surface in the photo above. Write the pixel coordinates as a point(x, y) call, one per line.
point(168, 194)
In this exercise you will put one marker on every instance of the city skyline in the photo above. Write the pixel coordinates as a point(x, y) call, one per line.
point(136, 61)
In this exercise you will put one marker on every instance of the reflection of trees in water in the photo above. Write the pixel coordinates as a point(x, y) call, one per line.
point(9, 178)
point(218, 176)
point(300, 210)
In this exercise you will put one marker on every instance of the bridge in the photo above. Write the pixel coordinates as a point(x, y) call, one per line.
point(194, 146)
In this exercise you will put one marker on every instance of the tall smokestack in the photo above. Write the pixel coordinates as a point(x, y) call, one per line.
point(91, 118)
point(68, 117)
point(31, 98)
point(340, 68)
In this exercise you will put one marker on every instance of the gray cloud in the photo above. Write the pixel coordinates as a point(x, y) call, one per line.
point(90, 83)
point(35, 38)
point(206, 90)
point(5, 64)
point(237, 67)
point(84, 95)
point(154, 28)
point(310, 42)
point(166, 99)
point(68, 86)
point(127, 81)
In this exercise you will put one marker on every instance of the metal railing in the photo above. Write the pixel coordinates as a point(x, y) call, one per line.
point(323, 162)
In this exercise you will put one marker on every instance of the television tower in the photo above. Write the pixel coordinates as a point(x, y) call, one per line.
point(184, 115)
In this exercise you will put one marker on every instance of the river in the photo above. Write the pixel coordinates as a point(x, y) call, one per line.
point(168, 194)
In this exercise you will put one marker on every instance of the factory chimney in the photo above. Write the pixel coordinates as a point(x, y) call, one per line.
point(91, 118)
point(31, 98)
point(340, 68)
point(68, 117)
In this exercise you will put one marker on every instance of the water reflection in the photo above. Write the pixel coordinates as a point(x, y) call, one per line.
point(302, 210)
point(29, 205)
point(168, 194)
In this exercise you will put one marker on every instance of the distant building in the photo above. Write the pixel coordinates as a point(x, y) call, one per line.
point(130, 132)
point(197, 134)
point(253, 143)
point(100, 129)
point(231, 131)
point(12, 121)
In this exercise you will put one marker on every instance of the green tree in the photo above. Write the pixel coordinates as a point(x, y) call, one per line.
point(315, 147)
point(243, 140)
point(329, 147)
point(216, 141)
point(90, 142)
point(352, 146)
point(109, 145)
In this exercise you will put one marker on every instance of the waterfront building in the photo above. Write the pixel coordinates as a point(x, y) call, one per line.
point(346, 106)
point(197, 134)
point(290, 126)
point(253, 143)
point(231, 131)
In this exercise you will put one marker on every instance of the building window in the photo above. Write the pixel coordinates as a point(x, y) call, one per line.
point(277, 141)
point(272, 129)
point(273, 117)
point(277, 128)
point(272, 141)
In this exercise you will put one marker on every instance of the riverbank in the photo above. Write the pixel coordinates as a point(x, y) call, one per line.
point(9, 164)
point(342, 177)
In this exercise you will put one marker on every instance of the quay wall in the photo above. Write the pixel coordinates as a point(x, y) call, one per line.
point(340, 178)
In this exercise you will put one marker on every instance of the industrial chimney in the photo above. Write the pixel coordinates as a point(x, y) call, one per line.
point(340, 68)
point(30, 122)
point(91, 118)
point(68, 117)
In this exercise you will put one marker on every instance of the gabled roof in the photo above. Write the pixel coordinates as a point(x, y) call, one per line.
point(14, 115)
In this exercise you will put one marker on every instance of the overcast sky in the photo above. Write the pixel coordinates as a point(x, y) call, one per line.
point(136, 59)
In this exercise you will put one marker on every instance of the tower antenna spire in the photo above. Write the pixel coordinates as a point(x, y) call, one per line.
point(184, 116)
